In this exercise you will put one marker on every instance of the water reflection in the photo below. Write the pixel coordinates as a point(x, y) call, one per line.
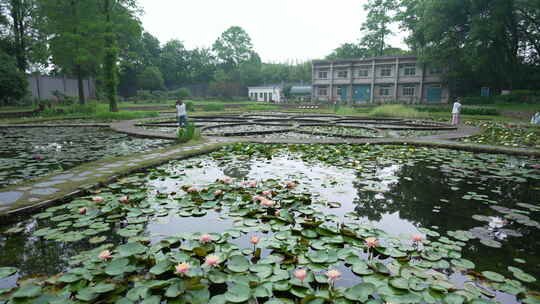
point(395, 195)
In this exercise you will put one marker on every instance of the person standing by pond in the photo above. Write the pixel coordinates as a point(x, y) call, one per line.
point(456, 111)
point(181, 113)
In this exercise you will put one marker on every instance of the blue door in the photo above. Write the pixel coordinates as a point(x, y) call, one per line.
point(434, 95)
point(343, 93)
point(361, 93)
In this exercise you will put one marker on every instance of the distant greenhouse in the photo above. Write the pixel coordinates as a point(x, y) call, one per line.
point(301, 93)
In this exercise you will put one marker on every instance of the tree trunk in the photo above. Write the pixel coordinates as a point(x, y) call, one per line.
point(80, 84)
point(110, 62)
point(17, 15)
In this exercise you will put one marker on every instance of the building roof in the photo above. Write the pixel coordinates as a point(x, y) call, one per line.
point(266, 87)
point(359, 59)
point(301, 90)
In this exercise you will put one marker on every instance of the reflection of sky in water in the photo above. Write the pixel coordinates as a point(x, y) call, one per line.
point(325, 183)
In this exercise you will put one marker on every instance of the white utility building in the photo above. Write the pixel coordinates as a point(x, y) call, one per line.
point(266, 93)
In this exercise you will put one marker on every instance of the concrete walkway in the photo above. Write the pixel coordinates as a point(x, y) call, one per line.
point(38, 193)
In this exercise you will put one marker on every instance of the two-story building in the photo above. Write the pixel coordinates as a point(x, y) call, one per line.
point(378, 80)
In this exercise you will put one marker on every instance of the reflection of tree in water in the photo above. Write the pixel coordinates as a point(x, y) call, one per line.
point(416, 198)
point(36, 255)
point(236, 169)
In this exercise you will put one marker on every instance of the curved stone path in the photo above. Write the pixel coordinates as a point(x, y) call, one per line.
point(25, 198)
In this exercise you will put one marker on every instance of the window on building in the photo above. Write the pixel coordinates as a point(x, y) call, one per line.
point(384, 91)
point(323, 91)
point(410, 71)
point(363, 73)
point(323, 75)
point(386, 72)
point(435, 71)
point(342, 74)
point(270, 97)
point(408, 91)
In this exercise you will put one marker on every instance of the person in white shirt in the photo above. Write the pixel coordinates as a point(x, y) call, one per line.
point(456, 111)
point(181, 113)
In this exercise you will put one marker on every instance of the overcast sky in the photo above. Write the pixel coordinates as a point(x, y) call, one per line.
point(280, 30)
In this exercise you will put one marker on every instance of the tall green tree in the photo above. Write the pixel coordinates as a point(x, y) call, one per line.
point(349, 50)
point(174, 63)
point(479, 42)
point(13, 82)
point(202, 65)
point(151, 79)
point(76, 37)
point(142, 52)
point(233, 47)
point(376, 28)
point(113, 11)
point(27, 38)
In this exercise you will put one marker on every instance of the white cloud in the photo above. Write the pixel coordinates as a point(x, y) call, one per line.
point(280, 29)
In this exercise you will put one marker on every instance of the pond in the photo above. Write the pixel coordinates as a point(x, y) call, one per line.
point(477, 217)
point(32, 152)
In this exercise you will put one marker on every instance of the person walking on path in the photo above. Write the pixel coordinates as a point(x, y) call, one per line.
point(181, 113)
point(456, 111)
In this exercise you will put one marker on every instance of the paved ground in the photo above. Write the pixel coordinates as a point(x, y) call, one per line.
point(38, 193)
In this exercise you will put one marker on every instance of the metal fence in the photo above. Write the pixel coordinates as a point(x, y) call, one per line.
point(43, 87)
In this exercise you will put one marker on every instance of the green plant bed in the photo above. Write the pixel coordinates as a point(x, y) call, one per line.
point(188, 133)
point(94, 111)
point(501, 134)
point(259, 107)
point(395, 111)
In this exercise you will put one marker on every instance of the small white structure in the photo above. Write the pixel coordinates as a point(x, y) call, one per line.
point(265, 93)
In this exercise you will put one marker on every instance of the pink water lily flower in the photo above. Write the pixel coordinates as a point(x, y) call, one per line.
point(212, 260)
point(227, 180)
point(257, 198)
point(267, 193)
point(182, 268)
point(105, 255)
point(333, 275)
point(372, 242)
point(39, 157)
point(97, 199)
point(254, 240)
point(218, 192)
point(250, 184)
point(205, 238)
point(267, 203)
point(536, 166)
point(417, 238)
point(82, 211)
point(290, 184)
point(192, 189)
point(300, 274)
point(124, 199)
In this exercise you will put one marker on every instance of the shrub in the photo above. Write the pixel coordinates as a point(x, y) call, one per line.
point(190, 106)
point(144, 95)
point(95, 111)
point(160, 96)
point(395, 111)
point(181, 93)
point(188, 133)
point(478, 111)
point(13, 83)
point(260, 108)
point(478, 100)
point(213, 107)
